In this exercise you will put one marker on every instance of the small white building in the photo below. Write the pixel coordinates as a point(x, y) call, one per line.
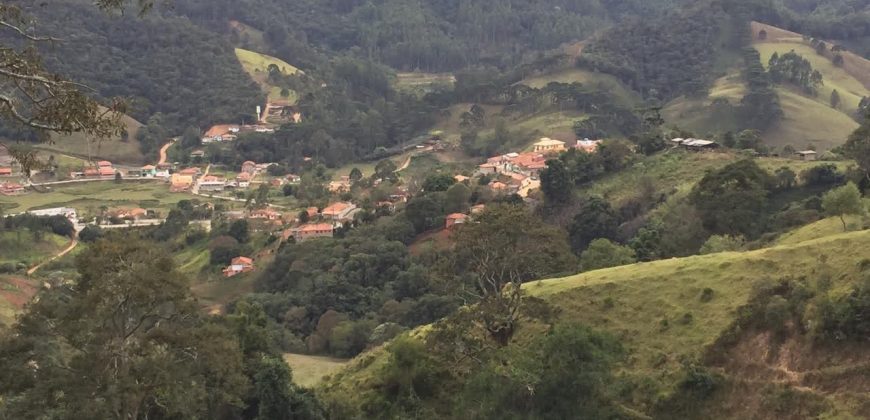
point(68, 212)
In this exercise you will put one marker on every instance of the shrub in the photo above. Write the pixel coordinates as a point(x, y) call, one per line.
point(722, 243)
point(707, 294)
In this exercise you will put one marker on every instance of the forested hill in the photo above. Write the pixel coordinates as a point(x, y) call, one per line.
point(161, 63)
point(437, 35)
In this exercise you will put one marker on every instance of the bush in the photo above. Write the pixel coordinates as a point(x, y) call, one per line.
point(603, 253)
point(846, 318)
point(822, 175)
point(722, 243)
point(91, 233)
point(707, 294)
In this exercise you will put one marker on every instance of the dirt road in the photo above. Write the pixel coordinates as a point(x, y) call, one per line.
point(163, 152)
point(73, 243)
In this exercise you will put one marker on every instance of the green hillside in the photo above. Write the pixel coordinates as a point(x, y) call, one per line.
point(257, 64)
point(807, 119)
point(658, 313)
point(625, 95)
point(116, 150)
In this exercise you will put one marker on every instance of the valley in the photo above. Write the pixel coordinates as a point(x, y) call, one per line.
point(340, 209)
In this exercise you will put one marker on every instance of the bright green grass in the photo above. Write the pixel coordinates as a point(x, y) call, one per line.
point(87, 197)
point(655, 308)
point(613, 86)
point(809, 121)
point(112, 149)
point(309, 371)
point(822, 228)
point(21, 246)
point(256, 64)
point(850, 89)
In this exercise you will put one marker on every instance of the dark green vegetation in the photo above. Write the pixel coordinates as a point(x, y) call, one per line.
point(192, 79)
point(128, 342)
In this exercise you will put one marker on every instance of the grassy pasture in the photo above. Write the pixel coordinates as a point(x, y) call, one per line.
point(112, 149)
point(309, 371)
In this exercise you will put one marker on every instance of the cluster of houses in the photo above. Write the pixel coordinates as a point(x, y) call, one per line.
point(322, 224)
point(518, 172)
point(229, 132)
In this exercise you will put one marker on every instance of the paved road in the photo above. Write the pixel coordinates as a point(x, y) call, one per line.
point(67, 250)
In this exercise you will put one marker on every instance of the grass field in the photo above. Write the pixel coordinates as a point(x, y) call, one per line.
point(656, 311)
point(822, 228)
point(112, 149)
point(309, 371)
point(22, 247)
point(610, 83)
point(257, 64)
point(87, 197)
point(15, 292)
point(808, 121)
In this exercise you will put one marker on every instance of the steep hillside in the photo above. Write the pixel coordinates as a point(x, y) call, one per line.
point(257, 66)
point(675, 313)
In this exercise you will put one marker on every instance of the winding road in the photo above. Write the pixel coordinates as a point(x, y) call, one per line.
point(163, 152)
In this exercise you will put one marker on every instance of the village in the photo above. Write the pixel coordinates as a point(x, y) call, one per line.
point(513, 173)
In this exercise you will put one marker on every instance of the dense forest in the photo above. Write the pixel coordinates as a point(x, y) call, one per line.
point(160, 64)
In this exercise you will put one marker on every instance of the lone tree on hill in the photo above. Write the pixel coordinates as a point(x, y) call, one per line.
point(835, 99)
point(504, 248)
point(843, 201)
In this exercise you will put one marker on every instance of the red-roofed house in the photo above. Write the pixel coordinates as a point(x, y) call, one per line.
point(104, 164)
point(312, 211)
point(243, 179)
point(310, 231)
point(455, 219)
point(239, 265)
point(11, 188)
point(5, 171)
point(107, 171)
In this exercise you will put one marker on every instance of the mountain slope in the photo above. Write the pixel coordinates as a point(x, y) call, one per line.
point(807, 119)
point(659, 313)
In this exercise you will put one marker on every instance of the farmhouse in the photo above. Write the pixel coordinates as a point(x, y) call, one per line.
point(548, 145)
point(807, 155)
point(220, 133)
point(696, 145)
point(238, 266)
point(339, 212)
point(455, 219)
point(310, 231)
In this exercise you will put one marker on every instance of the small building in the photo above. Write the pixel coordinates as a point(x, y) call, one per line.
point(477, 209)
point(68, 212)
point(149, 171)
point(548, 145)
point(104, 164)
point(696, 145)
point(193, 172)
point(310, 231)
point(461, 178)
point(455, 219)
point(197, 154)
point(294, 179)
point(243, 180)
point(249, 167)
point(238, 266)
point(498, 186)
point(807, 155)
point(11, 188)
point(5, 171)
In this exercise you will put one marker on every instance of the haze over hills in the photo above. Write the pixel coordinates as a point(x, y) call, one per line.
point(621, 209)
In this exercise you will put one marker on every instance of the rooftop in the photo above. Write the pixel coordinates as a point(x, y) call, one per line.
point(546, 141)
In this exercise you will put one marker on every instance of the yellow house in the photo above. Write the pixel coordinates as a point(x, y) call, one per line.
point(548, 145)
